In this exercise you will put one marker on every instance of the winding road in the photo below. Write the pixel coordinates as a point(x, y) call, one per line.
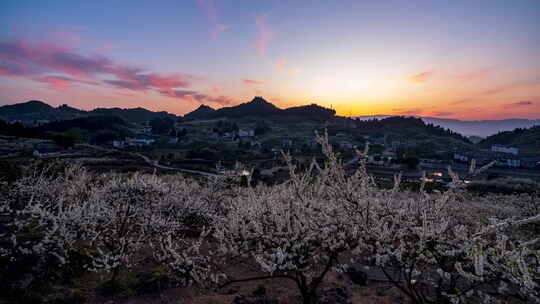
point(155, 163)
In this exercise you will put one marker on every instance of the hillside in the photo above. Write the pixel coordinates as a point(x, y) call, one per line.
point(527, 140)
point(410, 132)
point(137, 115)
point(256, 107)
point(201, 112)
point(407, 126)
point(92, 123)
point(34, 110)
point(37, 110)
point(259, 107)
point(481, 128)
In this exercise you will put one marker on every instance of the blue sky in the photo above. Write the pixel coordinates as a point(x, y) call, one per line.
point(463, 59)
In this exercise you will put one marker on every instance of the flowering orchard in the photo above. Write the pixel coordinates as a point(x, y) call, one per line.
point(440, 247)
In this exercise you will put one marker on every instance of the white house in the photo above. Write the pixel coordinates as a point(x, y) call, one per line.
point(287, 143)
point(246, 133)
point(503, 149)
point(346, 145)
point(461, 157)
point(139, 142)
point(119, 144)
point(513, 163)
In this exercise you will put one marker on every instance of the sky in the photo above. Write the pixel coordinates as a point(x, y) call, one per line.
point(449, 59)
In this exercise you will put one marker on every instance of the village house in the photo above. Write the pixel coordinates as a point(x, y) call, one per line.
point(139, 141)
point(461, 157)
point(504, 149)
point(246, 133)
point(120, 144)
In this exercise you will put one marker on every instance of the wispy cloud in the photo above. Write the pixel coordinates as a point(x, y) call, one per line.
point(194, 96)
point(280, 63)
point(59, 66)
point(414, 111)
point(523, 103)
point(252, 82)
point(209, 7)
point(460, 101)
point(265, 34)
point(422, 76)
point(492, 91)
point(60, 83)
point(443, 113)
point(474, 75)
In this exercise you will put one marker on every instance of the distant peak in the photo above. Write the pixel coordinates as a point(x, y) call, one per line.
point(258, 99)
point(35, 102)
point(65, 106)
point(203, 106)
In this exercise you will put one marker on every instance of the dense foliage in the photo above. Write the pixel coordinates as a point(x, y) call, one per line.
point(19, 130)
point(259, 107)
point(93, 123)
point(33, 110)
point(408, 126)
point(525, 139)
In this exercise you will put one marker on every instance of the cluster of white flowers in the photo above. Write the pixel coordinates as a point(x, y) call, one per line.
point(428, 245)
point(447, 247)
point(109, 220)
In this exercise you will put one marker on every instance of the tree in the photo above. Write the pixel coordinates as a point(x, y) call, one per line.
point(411, 162)
point(289, 230)
point(162, 125)
point(262, 127)
point(120, 213)
point(64, 141)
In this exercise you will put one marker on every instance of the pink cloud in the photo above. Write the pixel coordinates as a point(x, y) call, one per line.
point(57, 83)
point(422, 77)
point(492, 91)
point(37, 61)
point(474, 75)
point(460, 101)
point(194, 96)
point(61, 83)
point(408, 112)
point(443, 113)
point(252, 82)
point(280, 63)
point(211, 12)
point(265, 34)
point(522, 103)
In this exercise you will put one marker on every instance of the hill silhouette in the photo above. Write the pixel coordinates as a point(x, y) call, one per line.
point(138, 115)
point(259, 107)
point(527, 140)
point(202, 112)
point(35, 110)
point(481, 128)
point(413, 130)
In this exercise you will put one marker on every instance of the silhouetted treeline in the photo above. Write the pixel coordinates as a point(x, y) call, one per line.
point(19, 130)
point(525, 139)
point(93, 123)
point(408, 126)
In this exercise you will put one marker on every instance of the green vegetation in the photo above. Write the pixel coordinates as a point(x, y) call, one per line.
point(527, 140)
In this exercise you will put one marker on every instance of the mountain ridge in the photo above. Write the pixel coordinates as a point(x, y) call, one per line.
point(36, 110)
point(483, 128)
point(260, 107)
point(526, 139)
